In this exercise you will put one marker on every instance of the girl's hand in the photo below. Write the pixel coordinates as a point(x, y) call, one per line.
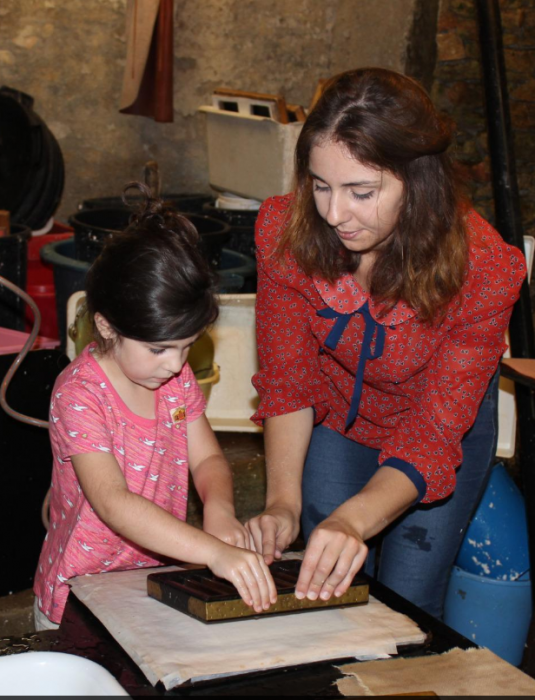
point(334, 554)
point(222, 523)
point(249, 574)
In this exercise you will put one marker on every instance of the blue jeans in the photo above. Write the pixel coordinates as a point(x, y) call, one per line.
point(418, 550)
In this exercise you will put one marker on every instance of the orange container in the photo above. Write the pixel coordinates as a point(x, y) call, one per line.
point(40, 280)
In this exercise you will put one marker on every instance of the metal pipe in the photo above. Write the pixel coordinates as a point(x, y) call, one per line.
point(501, 147)
point(509, 224)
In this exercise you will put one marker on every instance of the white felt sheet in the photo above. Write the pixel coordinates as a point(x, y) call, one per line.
point(173, 648)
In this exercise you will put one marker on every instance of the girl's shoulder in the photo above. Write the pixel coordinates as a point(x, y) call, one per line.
point(83, 373)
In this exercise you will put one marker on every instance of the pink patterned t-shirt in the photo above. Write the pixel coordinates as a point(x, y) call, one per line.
point(87, 415)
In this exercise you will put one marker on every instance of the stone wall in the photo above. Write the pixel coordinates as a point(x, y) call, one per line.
point(458, 90)
point(70, 55)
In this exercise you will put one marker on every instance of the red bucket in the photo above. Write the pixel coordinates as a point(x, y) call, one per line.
point(40, 280)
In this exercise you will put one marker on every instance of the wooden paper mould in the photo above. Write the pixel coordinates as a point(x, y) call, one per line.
point(200, 594)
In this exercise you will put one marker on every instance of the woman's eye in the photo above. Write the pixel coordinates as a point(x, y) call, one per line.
point(362, 196)
point(157, 351)
point(320, 188)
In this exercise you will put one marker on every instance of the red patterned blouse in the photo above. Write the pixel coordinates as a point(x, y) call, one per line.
point(391, 383)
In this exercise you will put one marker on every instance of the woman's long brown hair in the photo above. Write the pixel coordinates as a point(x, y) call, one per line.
point(386, 120)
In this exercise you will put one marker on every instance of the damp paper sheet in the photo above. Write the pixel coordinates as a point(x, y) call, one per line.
point(456, 673)
point(173, 648)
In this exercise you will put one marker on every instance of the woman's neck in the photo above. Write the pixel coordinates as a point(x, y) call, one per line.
point(363, 273)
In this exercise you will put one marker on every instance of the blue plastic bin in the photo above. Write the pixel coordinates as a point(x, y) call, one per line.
point(496, 541)
point(492, 613)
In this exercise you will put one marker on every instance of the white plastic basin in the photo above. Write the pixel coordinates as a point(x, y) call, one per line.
point(54, 673)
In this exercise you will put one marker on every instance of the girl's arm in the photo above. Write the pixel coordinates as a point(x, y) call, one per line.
point(137, 519)
point(213, 480)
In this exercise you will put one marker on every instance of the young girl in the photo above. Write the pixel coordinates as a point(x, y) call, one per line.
point(127, 421)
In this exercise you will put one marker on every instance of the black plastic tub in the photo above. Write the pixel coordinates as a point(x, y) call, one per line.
point(70, 274)
point(186, 201)
point(14, 266)
point(233, 262)
point(31, 165)
point(242, 227)
point(234, 217)
point(93, 226)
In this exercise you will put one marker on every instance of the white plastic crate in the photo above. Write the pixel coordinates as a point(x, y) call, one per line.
point(233, 398)
point(248, 155)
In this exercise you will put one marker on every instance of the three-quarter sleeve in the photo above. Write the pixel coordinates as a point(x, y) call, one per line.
point(455, 379)
point(289, 377)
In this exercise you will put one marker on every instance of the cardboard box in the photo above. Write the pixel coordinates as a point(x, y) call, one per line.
point(250, 156)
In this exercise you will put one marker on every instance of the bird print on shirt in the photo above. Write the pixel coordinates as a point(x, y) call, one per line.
point(102, 448)
point(146, 441)
point(137, 467)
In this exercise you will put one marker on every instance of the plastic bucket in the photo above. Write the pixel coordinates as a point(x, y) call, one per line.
point(236, 263)
point(70, 274)
point(242, 227)
point(93, 226)
point(183, 201)
point(69, 277)
point(492, 613)
point(40, 280)
point(13, 266)
point(496, 541)
point(229, 282)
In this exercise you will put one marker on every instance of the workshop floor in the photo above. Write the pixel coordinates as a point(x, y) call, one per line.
point(245, 454)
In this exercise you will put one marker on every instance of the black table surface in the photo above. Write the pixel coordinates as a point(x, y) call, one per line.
point(82, 634)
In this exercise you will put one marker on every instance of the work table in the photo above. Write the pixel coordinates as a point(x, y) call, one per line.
point(82, 634)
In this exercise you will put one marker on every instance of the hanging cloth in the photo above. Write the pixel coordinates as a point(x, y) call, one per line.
point(371, 328)
point(148, 76)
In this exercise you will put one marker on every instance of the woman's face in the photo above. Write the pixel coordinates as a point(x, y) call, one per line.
point(359, 202)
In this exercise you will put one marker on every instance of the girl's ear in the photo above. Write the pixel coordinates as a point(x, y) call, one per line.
point(104, 328)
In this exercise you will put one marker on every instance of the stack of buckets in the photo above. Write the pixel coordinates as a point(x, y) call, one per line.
point(489, 594)
point(40, 280)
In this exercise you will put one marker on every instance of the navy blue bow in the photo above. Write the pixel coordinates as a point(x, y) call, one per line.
point(366, 354)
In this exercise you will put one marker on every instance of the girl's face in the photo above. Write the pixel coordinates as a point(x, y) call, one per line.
point(151, 364)
point(359, 202)
point(146, 364)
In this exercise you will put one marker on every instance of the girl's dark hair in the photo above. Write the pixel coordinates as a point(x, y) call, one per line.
point(151, 281)
point(386, 120)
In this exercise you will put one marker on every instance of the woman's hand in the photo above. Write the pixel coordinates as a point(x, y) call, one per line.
point(219, 520)
point(273, 531)
point(334, 554)
point(248, 572)
point(336, 549)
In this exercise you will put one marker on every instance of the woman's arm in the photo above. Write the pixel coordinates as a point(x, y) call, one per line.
point(336, 549)
point(213, 481)
point(139, 520)
point(286, 441)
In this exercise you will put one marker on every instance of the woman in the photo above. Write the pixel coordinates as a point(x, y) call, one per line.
point(382, 305)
